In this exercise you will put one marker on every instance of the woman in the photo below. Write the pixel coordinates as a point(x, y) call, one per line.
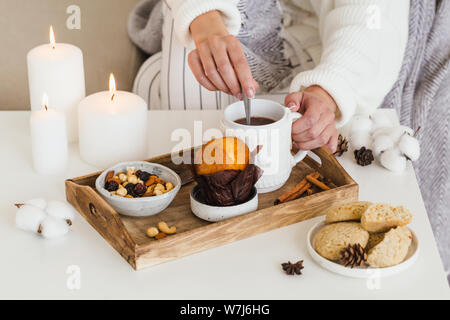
point(360, 54)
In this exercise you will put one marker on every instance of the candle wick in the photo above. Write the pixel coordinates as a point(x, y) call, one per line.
point(53, 47)
point(112, 97)
point(45, 106)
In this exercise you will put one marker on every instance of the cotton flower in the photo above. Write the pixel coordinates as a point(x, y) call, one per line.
point(52, 227)
point(360, 139)
point(51, 219)
point(393, 160)
point(37, 202)
point(380, 120)
point(29, 217)
point(61, 210)
point(397, 132)
point(391, 144)
point(382, 131)
point(361, 124)
point(409, 146)
point(381, 143)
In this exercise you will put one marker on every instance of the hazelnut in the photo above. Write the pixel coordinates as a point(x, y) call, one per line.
point(121, 191)
point(133, 179)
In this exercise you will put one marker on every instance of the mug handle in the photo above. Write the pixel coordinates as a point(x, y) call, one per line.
point(301, 154)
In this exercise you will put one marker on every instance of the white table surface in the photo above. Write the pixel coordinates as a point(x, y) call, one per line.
point(33, 267)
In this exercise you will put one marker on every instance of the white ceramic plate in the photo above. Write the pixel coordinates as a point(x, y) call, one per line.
point(361, 272)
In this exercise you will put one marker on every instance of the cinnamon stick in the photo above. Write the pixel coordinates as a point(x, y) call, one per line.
point(298, 190)
point(316, 182)
point(286, 195)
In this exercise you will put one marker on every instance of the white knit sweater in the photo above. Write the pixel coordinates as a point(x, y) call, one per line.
point(361, 52)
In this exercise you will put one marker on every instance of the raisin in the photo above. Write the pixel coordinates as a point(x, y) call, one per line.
point(130, 189)
point(139, 189)
point(143, 175)
point(111, 185)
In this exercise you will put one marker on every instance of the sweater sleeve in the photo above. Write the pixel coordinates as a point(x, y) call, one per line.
point(185, 11)
point(363, 43)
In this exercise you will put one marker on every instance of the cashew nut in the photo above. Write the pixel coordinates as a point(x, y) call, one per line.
point(165, 228)
point(151, 232)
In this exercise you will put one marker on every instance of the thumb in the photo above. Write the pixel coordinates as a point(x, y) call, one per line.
point(292, 101)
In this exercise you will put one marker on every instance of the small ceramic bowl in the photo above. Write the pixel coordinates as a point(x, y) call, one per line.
point(213, 213)
point(145, 206)
point(361, 272)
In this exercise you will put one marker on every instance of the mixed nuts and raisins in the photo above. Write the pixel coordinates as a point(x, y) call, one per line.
point(136, 184)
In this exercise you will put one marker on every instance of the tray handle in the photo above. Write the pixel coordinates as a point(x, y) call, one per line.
point(329, 167)
point(102, 217)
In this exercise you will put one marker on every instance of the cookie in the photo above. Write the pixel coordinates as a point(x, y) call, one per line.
point(347, 211)
point(392, 249)
point(333, 238)
point(381, 217)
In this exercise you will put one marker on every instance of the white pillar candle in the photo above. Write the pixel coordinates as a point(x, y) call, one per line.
point(112, 127)
point(57, 69)
point(48, 132)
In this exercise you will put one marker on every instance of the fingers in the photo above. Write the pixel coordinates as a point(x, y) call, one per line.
point(308, 120)
point(197, 69)
point(241, 67)
point(315, 130)
point(224, 66)
point(332, 143)
point(210, 68)
point(293, 100)
point(325, 138)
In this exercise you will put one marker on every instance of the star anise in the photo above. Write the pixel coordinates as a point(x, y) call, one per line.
point(293, 268)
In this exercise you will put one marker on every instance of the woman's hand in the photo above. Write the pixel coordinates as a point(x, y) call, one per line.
point(316, 128)
point(218, 62)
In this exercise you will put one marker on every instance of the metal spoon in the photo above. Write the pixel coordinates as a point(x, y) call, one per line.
point(248, 107)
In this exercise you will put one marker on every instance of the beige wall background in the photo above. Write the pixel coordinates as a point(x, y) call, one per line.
point(103, 39)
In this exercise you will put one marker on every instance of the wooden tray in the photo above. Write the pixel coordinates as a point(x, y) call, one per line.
point(127, 234)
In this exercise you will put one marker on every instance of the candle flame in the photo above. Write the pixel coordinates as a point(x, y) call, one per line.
point(45, 101)
point(112, 86)
point(52, 37)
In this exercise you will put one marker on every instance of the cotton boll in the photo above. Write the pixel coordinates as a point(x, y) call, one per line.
point(61, 210)
point(380, 120)
point(29, 217)
point(397, 132)
point(360, 139)
point(361, 124)
point(37, 202)
point(52, 227)
point(409, 146)
point(381, 143)
point(381, 131)
point(392, 160)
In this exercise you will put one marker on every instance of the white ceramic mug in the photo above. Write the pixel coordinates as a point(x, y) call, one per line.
point(275, 157)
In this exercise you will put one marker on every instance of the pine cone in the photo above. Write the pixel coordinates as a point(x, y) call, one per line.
point(353, 255)
point(293, 268)
point(364, 156)
point(342, 146)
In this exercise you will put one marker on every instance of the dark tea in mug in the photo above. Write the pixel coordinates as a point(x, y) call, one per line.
point(255, 121)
